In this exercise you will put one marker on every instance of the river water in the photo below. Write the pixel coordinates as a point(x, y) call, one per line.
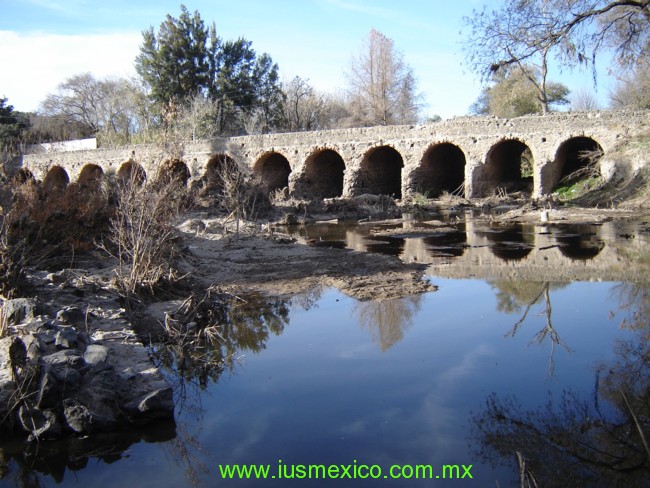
point(531, 357)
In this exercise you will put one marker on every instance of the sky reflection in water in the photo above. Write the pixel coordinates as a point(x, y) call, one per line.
point(458, 376)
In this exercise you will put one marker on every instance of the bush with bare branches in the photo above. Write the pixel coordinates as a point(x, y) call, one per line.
point(142, 234)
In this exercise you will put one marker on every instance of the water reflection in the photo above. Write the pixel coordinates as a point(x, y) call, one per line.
point(511, 243)
point(470, 247)
point(243, 324)
point(25, 463)
point(579, 242)
point(516, 296)
point(387, 320)
point(576, 441)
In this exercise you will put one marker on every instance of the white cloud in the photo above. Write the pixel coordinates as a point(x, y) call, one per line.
point(36, 62)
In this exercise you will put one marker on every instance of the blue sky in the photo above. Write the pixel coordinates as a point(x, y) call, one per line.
point(42, 42)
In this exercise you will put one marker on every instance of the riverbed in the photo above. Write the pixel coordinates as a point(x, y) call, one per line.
point(528, 352)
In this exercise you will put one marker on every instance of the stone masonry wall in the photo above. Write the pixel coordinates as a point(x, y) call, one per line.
point(476, 137)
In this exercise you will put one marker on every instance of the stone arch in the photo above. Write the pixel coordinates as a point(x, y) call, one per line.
point(22, 176)
point(380, 172)
point(574, 157)
point(90, 175)
point(215, 168)
point(131, 171)
point(216, 164)
point(322, 176)
point(56, 179)
point(508, 166)
point(442, 169)
point(274, 170)
point(173, 170)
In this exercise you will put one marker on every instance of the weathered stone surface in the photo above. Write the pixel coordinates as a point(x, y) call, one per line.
point(158, 404)
point(475, 138)
point(78, 417)
point(71, 316)
point(19, 309)
point(69, 384)
point(97, 356)
point(41, 424)
point(66, 339)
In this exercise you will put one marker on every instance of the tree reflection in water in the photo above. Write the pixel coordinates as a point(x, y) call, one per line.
point(517, 296)
point(387, 320)
point(599, 441)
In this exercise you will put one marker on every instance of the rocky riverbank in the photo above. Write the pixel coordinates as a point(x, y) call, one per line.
point(73, 365)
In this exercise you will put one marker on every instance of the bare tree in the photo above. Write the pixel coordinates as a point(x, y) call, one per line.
point(529, 32)
point(584, 100)
point(633, 89)
point(112, 108)
point(382, 87)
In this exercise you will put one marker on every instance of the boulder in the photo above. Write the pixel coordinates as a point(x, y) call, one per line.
point(18, 309)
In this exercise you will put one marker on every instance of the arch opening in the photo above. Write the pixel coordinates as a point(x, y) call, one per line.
point(273, 169)
point(442, 169)
point(56, 179)
point(508, 167)
point(216, 165)
point(173, 170)
point(91, 176)
point(381, 172)
point(22, 176)
point(323, 175)
point(130, 171)
point(576, 159)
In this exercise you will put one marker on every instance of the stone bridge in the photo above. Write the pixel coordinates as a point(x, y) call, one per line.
point(470, 156)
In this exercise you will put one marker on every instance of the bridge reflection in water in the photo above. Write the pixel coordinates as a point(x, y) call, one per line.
point(609, 251)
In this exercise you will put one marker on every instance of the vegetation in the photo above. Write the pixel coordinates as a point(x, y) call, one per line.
point(530, 34)
point(381, 86)
point(512, 94)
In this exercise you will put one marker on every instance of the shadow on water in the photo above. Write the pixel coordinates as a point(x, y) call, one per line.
point(601, 440)
point(26, 463)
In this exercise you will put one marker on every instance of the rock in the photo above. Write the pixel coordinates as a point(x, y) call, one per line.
point(96, 355)
point(41, 424)
point(156, 405)
point(13, 353)
point(49, 391)
point(19, 309)
point(78, 417)
point(66, 338)
point(68, 357)
point(71, 316)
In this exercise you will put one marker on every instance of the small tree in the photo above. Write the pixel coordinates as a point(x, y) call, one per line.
point(381, 86)
point(633, 89)
point(512, 94)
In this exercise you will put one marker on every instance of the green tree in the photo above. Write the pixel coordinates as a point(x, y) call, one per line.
point(245, 85)
point(185, 60)
point(174, 63)
point(512, 94)
point(12, 126)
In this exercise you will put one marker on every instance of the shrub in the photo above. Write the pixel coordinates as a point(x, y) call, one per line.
point(142, 234)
